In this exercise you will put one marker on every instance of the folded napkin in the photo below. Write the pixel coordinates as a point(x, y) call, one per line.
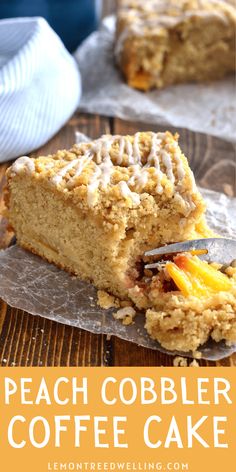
point(40, 85)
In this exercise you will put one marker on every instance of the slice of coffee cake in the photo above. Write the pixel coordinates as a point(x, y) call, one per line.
point(95, 209)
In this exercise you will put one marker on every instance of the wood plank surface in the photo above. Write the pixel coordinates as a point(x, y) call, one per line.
point(28, 340)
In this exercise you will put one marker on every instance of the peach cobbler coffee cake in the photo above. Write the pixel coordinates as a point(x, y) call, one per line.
point(163, 42)
point(95, 209)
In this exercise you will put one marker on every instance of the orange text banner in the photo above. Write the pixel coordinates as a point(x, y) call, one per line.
point(83, 419)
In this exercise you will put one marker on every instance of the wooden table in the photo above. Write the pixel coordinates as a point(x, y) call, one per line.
point(28, 340)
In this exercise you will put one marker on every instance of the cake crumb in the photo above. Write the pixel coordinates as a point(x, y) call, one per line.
point(228, 190)
point(183, 362)
point(180, 362)
point(105, 300)
point(128, 320)
point(126, 315)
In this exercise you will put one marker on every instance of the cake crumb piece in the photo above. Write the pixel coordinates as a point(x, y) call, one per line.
point(105, 300)
point(125, 314)
point(194, 363)
point(183, 362)
point(228, 190)
point(180, 362)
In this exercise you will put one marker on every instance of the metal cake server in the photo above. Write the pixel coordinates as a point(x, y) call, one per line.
point(219, 250)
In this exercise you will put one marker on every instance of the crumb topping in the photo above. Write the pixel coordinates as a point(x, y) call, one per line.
point(126, 167)
point(126, 315)
point(106, 300)
point(180, 361)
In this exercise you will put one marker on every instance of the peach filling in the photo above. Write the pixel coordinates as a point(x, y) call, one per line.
point(192, 276)
point(141, 81)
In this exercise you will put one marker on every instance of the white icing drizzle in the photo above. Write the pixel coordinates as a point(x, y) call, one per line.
point(58, 177)
point(93, 186)
point(136, 151)
point(166, 159)
point(190, 204)
point(129, 151)
point(179, 166)
point(102, 174)
point(21, 163)
point(97, 149)
point(99, 153)
point(138, 177)
point(154, 160)
point(78, 164)
point(193, 182)
point(126, 192)
point(160, 158)
point(121, 150)
point(83, 162)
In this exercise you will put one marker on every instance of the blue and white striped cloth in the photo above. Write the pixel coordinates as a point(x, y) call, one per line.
point(40, 85)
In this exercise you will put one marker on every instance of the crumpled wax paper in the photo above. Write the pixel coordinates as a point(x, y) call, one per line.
point(208, 108)
point(31, 284)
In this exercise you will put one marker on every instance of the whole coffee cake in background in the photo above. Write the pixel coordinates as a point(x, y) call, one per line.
point(163, 42)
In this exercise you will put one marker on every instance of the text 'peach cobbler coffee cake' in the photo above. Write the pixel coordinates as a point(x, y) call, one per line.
point(95, 209)
point(164, 42)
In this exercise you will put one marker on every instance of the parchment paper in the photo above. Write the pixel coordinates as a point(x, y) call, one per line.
point(208, 108)
point(29, 283)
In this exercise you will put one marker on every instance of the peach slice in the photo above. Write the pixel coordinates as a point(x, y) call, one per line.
point(141, 81)
point(195, 277)
point(181, 278)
